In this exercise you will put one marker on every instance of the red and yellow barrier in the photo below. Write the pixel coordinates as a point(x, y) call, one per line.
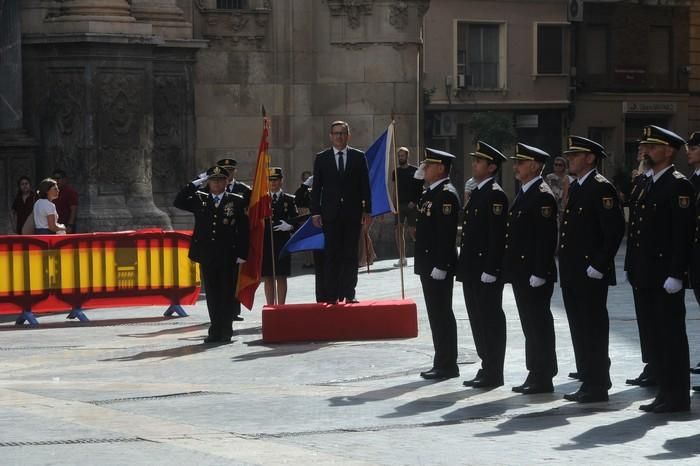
point(45, 273)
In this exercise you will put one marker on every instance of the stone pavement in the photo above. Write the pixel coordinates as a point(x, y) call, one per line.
point(135, 388)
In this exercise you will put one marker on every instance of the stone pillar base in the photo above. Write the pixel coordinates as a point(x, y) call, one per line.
point(17, 158)
point(97, 25)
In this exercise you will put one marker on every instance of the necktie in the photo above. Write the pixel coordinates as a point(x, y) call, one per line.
point(341, 163)
point(519, 195)
point(216, 201)
point(274, 197)
point(575, 187)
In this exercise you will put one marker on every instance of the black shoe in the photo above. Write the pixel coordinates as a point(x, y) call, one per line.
point(696, 388)
point(695, 370)
point(434, 374)
point(237, 318)
point(211, 339)
point(519, 388)
point(351, 301)
point(574, 375)
point(539, 387)
point(649, 407)
point(469, 383)
point(585, 396)
point(671, 407)
point(643, 380)
point(647, 382)
point(487, 383)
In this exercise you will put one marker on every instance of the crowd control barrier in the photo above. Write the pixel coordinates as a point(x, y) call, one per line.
point(48, 273)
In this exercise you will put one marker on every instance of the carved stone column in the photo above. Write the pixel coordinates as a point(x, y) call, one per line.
point(166, 18)
point(95, 16)
point(16, 148)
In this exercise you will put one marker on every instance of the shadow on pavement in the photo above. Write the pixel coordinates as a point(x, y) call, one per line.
point(92, 323)
point(275, 351)
point(169, 331)
point(679, 448)
point(170, 353)
point(430, 403)
point(378, 395)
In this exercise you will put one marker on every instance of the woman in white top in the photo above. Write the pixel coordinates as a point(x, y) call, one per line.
point(45, 214)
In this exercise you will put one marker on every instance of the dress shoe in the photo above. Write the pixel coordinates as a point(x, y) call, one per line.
point(519, 388)
point(585, 396)
point(487, 383)
point(642, 381)
point(540, 387)
point(574, 375)
point(237, 318)
point(211, 339)
point(469, 383)
point(671, 407)
point(649, 407)
point(351, 301)
point(434, 374)
point(696, 388)
point(695, 370)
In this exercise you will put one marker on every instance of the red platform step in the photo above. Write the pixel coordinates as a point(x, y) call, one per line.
point(366, 320)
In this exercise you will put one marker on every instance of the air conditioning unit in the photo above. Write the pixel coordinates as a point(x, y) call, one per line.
point(445, 125)
point(575, 11)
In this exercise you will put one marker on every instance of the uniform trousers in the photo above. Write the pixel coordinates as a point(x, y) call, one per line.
point(587, 314)
point(484, 303)
point(645, 324)
point(538, 328)
point(443, 326)
point(220, 282)
point(669, 357)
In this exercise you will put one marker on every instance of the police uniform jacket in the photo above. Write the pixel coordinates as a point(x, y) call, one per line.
point(436, 229)
point(592, 227)
point(638, 185)
point(531, 235)
point(695, 258)
point(483, 233)
point(240, 188)
point(220, 233)
point(663, 228)
point(284, 208)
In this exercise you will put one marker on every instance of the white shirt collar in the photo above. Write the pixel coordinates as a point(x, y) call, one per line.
point(697, 171)
point(434, 185)
point(527, 185)
point(480, 185)
point(582, 179)
point(344, 150)
point(649, 173)
point(658, 175)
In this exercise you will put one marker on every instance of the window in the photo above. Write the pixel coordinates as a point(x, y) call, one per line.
point(660, 50)
point(596, 49)
point(478, 55)
point(550, 49)
point(231, 4)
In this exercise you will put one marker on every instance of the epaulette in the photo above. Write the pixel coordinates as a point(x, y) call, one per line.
point(244, 185)
point(496, 187)
point(544, 188)
point(679, 175)
point(240, 196)
point(600, 178)
point(290, 195)
point(450, 187)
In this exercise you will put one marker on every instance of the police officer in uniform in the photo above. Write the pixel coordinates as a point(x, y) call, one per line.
point(435, 259)
point(219, 242)
point(236, 187)
point(659, 262)
point(480, 263)
point(531, 239)
point(592, 227)
point(647, 377)
point(284, 213)
point(693, 152)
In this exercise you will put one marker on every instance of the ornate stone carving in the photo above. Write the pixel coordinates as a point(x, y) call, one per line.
point(67, 100)
point(168, 107)
point(121, 96)
point(238, 22)
point(239, 27)
point(352, 9)
point(398, 15)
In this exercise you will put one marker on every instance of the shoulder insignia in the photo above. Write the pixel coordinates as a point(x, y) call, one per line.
point(446, 187)
point(683, 202)
point(244, 185)
point(600, 178)
point(546, 211)
point(497, 209)
point(608, 202)
point(544, 188)
point(446, 209)
point(678, 175)
point(496, 187)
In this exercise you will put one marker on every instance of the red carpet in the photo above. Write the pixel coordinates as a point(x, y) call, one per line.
point(366, 320)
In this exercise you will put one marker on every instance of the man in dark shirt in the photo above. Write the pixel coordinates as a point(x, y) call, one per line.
point(67, 201)
point(409, 191)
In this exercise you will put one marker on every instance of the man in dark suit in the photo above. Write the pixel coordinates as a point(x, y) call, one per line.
point(340, 203)
point(278, 230)
point(219, 243)
point(647, 378)
point(435, 259)
point(531, 239)
point(658, 266)
point(693, 152)
point(480, 263)
point(592, 227)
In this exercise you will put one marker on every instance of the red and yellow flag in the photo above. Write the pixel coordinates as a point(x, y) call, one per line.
point(259, 209)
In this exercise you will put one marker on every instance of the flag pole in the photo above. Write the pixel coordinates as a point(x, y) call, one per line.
point(402, 244)
point(269, 222)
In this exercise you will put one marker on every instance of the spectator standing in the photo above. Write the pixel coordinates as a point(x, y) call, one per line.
point(45, 214)
point(409, 190)
point(67, 201)
point(23, 203)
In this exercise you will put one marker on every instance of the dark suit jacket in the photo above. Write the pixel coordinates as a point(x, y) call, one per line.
point(333, 195)
point(695, 259)
point(531, 235)
point(436, 230)
point(663, 233)
point(220, 233)
point(592, 227)
point(635, 195)
point(483, 233)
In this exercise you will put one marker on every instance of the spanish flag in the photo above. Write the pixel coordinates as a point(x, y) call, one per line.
point(259, 209)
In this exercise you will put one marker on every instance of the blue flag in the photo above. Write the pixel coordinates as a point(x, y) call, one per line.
point(308, 237)
point(378, 158)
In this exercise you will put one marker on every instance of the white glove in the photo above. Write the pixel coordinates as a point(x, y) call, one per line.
point(240, 261)
point(593, 273)
point(420, 173)
point(438, 274)
point(283, 226)
point(200, 181)
point(487, 278)
point(673, 285)
point(309, 182)
point(536, 281)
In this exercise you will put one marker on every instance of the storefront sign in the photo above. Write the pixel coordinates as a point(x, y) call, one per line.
point(649, 107)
